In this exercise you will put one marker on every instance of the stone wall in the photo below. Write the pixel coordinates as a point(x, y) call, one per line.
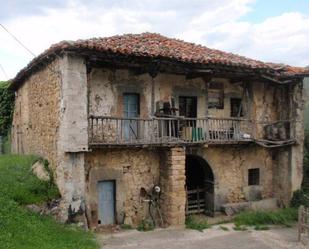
point(230, 165)
point(36, 114)
point(132, 169)
point(106, 88)
point(297, 152)
point(73, 135)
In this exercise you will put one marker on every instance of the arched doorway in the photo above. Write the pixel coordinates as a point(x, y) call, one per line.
point(199, 186)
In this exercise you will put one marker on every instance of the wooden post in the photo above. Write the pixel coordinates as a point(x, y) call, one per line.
point(152, 96)
point(198, 198)
point(206, 79)
point(187, 202)
point(153, 73)
point(300, 221)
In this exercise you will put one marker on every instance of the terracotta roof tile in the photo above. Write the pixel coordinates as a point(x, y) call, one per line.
point(149, 45)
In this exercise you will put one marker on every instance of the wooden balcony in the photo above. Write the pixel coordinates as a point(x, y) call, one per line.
point(112, 131)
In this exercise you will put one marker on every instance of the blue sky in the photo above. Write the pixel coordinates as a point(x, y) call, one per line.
point(263, 9)
point(273, 30)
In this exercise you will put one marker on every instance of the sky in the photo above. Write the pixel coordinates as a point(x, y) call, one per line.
point(267, 30)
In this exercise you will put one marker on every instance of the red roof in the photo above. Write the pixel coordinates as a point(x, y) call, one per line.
point(148, 45)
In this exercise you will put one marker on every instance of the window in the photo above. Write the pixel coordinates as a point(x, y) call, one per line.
point(188, 106)
point(254, 177)
point(236, 107)
point(216, 95)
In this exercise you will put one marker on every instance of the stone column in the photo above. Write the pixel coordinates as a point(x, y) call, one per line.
point(297, 128)
point(172, 180)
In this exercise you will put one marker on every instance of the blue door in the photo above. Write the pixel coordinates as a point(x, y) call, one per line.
point(106, 190)
point(131, 110)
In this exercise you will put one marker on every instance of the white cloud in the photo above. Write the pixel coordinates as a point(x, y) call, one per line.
point(215, 24)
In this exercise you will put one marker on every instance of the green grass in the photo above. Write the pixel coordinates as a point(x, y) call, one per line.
point(192, 222)
point(261, 227)
point(240, 228)
point(21, 228)
point(145, 225)
point(285, 217)
point(224, 228)
point(126, 227)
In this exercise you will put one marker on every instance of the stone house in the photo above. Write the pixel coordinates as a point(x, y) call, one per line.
point(117, 116)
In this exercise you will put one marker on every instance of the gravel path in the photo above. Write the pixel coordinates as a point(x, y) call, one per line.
point(214, 238)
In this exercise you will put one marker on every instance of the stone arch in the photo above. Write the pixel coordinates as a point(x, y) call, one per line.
point(199, 185)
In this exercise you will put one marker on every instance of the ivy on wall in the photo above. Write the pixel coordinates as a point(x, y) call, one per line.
point(6, 107)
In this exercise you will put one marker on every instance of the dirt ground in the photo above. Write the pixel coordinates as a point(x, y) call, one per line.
point(213, 238)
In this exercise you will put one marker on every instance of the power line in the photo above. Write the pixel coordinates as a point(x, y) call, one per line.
point(3, 71)
point(16, 39)
point(24, 46)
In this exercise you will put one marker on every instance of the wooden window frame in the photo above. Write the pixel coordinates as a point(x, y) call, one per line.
point(195, 99)
point(216, 91)
point(254, 177)
point(241, 113)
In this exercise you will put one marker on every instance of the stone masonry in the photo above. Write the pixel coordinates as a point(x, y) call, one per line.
point(172, 181)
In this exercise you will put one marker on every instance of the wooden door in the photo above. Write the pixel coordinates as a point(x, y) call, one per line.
point(131, 110)
point(106, 191)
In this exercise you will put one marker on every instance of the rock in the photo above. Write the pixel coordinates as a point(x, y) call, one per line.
point(235, 208)
point(39, 170)
point(265, 204)
point(128, 221)
point(34, 208)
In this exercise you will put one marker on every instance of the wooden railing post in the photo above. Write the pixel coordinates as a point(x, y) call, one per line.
point(136, 131)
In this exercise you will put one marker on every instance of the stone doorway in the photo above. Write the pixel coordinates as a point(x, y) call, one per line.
point(199, 186)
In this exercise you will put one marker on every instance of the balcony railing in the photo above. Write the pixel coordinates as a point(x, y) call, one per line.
point(167, 131)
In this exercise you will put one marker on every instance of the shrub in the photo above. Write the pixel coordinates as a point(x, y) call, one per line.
point(300, 198)
point(145, 225)
point(6, 107)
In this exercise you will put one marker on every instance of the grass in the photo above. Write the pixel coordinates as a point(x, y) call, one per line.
point(285, 217)
point(21, 228)
point(261, 227)
point(224, 228)
point(145, 226)
point(240, 228)
point(126, 226)
point(192, 222)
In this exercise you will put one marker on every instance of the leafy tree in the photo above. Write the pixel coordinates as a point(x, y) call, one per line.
point(6, 107)
point(306, 163)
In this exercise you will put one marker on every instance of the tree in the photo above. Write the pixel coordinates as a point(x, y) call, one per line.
point(6, 107)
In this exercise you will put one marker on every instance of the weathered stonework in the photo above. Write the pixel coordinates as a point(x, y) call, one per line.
point(50, 120)
point(36, 120)
point(132, 169)
point(172, 181)
point(230, 165)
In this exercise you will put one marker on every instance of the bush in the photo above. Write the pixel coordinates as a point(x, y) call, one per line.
point(300, 198)
point(305, 183)
point(6, 107)
point(145, 225)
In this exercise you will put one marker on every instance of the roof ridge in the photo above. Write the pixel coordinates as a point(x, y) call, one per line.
point(151, 45)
